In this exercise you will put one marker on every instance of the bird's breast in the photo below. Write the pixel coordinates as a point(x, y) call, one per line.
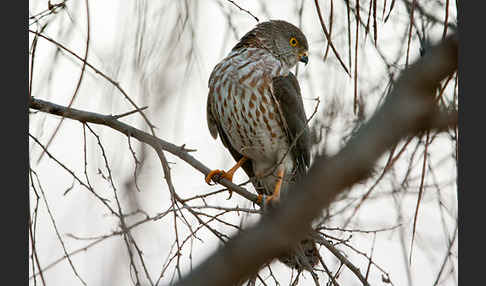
point(241, 87)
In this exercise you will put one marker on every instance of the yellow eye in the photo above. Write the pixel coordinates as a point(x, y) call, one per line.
point(293, 42)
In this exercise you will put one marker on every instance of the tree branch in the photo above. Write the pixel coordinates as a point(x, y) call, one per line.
point(409, 109)
point(156, 143)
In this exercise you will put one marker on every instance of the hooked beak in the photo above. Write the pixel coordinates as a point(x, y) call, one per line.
point(304, 57)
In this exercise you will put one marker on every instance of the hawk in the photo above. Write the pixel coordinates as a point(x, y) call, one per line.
point(255, 106)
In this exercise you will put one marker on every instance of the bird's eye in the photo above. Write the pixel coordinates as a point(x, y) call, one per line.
point(293, 42)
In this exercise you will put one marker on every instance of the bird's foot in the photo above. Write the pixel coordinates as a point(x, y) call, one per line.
point(219, 174)
point(216, 175)
point(265, 200)
point(274, 199)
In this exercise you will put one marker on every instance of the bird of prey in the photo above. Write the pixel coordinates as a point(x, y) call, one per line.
point(255, 106)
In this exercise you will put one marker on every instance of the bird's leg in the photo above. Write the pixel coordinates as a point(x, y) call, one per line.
point(227, 175)
point(275, 197)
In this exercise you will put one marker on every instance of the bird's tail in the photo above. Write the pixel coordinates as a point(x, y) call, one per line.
point(304, 256)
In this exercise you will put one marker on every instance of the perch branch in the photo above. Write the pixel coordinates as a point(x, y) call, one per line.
point(407, 110)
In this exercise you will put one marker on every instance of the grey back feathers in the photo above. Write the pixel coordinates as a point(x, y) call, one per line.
point(287, 91)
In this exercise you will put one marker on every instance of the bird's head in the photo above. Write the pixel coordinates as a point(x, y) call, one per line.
point(284, 40)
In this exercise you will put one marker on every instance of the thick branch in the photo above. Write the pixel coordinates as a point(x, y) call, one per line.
point(156, 143)
point(409, 109)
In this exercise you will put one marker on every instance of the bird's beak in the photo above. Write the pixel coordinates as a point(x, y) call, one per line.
point(304, 57)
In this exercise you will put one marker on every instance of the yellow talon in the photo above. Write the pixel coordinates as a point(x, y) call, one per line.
point(227, 175)
point(221, 173)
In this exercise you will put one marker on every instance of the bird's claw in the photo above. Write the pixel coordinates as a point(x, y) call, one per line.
point(215, 175)
point(230, 194)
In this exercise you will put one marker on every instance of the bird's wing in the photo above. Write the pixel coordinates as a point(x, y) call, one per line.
point(286, 91)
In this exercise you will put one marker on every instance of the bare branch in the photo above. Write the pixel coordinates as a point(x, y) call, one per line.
point(407, 110)
point(78, 85)
point(156, 143)
point(249, 13)
point(328, 37)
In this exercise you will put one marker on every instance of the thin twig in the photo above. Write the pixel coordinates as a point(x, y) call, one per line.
point(345, 261)
point(103, 75)
point(249, 13)
point(328, 37)
point(103, 200)
point(34, 253)
point(78, 85)
point(53, 221)
point(421, 191)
